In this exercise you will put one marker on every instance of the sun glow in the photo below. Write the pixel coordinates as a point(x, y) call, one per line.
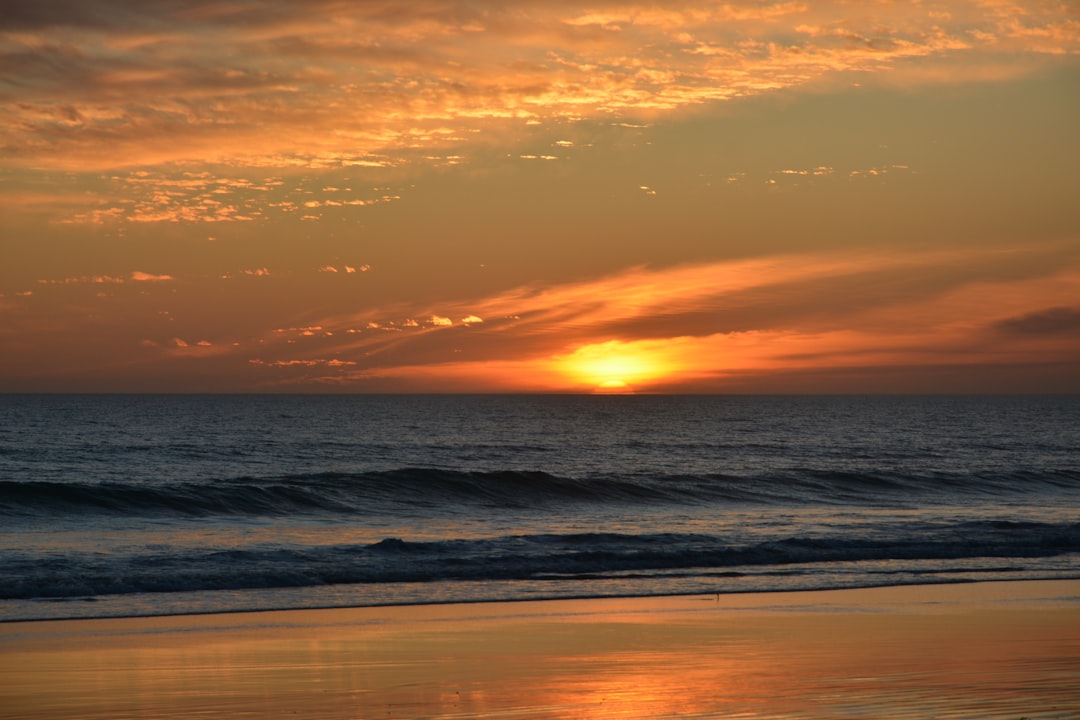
point(615, 366)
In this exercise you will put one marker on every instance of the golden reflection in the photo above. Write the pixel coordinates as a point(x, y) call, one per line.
point(986, 650)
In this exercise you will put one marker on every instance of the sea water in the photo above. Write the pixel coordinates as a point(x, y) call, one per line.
point(140, 505)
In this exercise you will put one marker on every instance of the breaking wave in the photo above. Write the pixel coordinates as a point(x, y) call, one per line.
point(435, 490)
point(578, 556)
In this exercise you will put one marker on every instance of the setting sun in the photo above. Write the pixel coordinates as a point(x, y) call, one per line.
point(615, 366)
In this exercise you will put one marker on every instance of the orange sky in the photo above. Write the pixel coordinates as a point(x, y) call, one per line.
point(557, 196)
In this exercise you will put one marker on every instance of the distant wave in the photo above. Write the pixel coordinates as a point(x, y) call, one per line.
point(436, 490)
point(519, 557)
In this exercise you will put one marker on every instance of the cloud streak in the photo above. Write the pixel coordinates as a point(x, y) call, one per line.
point(117, 84)
point(1051, 321)
point(705, 324)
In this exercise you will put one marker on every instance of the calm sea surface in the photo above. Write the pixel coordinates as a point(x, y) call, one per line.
point(136, 505)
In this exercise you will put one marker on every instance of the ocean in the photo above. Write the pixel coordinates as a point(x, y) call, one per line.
point(131, 505)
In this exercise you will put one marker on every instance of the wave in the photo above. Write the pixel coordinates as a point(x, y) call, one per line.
point(537, 557)
point(419, 490)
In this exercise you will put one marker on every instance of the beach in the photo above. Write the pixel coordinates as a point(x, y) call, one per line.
point(971, 650)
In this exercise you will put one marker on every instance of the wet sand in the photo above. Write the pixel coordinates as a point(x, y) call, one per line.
point(985, 650)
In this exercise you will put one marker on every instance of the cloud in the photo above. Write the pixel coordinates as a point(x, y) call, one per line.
point(173, 195)
point(139, 276)
point(707, 322)
point(1051, 321)
point(116, 84)
point(85, 279)
point(701, 326)
point(303, 363)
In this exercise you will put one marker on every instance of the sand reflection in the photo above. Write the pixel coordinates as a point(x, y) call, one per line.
point(996, 650)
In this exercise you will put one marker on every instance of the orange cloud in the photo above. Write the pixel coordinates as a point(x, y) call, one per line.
point(139, 276)
point(170, 195)
point(326, 84)
point(85, 279)
point(702, 325)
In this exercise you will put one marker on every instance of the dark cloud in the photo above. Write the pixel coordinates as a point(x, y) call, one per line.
point(958, 378)
point(52, 65)
point(136, 14)
point(15, 15)
point(1052, 321)
point(166, 14)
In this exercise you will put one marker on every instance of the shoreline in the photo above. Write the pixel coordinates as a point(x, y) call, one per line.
point(553, 598)
point(996, 649)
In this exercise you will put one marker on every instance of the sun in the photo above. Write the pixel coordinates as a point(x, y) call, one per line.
point(614, 366)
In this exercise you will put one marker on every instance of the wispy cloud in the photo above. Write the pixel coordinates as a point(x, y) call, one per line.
point(111, 84)
point(85, 279)
point(707, 322)
point(135, 276)
point(172, 195)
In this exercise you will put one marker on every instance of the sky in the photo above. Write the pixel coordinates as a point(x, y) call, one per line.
point(749, 196)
